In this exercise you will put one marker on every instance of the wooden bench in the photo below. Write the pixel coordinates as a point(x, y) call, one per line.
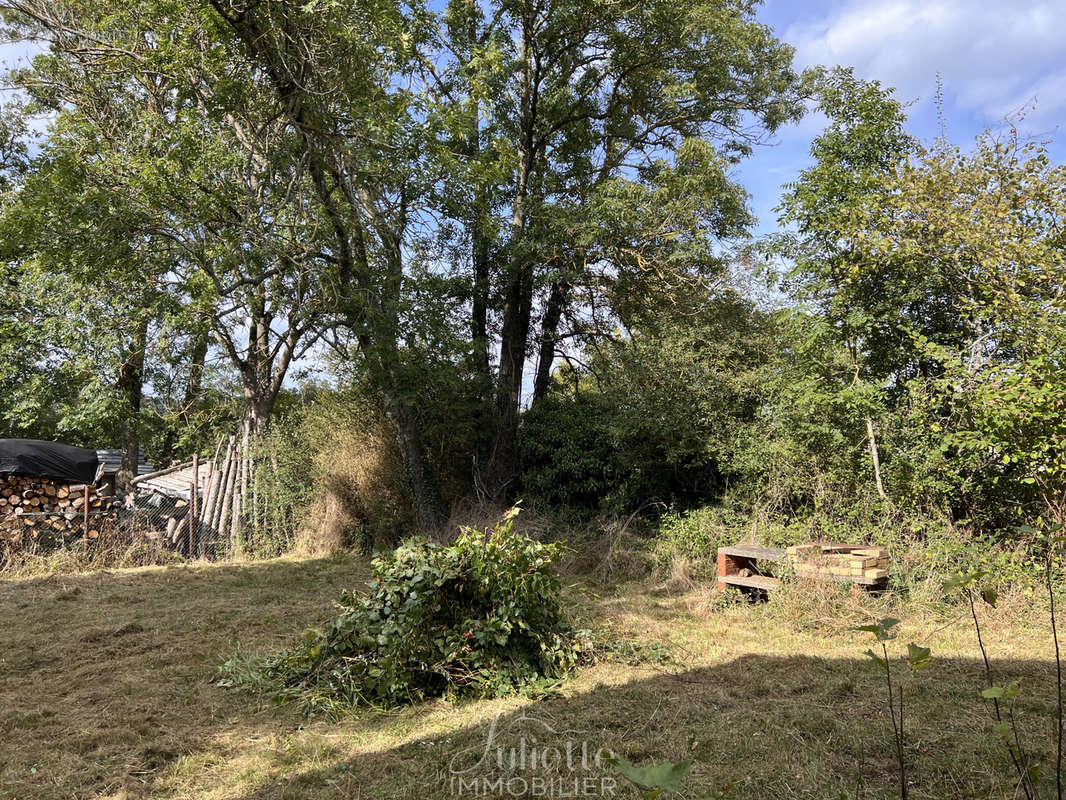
point(746, 565)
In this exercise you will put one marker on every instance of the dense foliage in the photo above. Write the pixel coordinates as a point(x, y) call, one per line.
point(482, 615)
point(430, 192)
point(910, 388)
point(662, 415)
point(428, 202)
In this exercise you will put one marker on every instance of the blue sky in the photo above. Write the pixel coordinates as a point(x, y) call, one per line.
point(995, 59)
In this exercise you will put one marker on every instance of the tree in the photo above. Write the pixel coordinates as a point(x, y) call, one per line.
point(600, 171)
point(863, 144)
point(579, 151)
point(143, 96)
point(991, 226)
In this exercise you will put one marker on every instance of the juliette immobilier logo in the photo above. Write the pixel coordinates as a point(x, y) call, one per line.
point(527, 757)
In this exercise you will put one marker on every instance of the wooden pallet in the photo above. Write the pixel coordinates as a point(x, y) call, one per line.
point(751, 566)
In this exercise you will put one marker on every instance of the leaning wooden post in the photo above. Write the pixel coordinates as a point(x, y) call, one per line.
point(205, 507)
point(244, 469)
point(227, 490)
point(85, 518)
point(194, 502)
point(216, 490)
point(235, 531)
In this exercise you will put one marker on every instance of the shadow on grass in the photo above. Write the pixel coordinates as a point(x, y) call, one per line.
point(755, 727)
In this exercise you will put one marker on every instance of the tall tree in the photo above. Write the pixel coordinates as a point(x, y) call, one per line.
point(149, 104)
point(863, 144)
point(575, 120)
point(566, 123)
point(577, 151)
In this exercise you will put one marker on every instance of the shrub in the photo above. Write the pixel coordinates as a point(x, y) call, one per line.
point(361, 492)
point(567, 452)
point(480, 616)
point(329, 477)
point(691, 538)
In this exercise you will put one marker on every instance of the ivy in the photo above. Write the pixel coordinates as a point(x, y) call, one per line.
point(481, 616)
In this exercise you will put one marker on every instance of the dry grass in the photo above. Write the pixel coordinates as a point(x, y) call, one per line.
point(361, 497)
point(106, 692)
point(115, 549)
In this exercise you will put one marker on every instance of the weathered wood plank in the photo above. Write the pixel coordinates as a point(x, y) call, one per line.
point(754, 551)
point(754, 581)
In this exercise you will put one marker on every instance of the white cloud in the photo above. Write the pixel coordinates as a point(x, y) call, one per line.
point(993, 57)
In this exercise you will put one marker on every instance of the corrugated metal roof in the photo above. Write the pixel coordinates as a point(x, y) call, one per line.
point(175, 484)
point(111, 460)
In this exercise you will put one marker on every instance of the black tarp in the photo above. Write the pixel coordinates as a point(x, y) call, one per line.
point(60, 462)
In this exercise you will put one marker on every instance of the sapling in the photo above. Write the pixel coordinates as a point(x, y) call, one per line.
point(917, 658)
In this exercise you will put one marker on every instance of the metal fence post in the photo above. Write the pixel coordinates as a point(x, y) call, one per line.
point(194, 491)
point(85, 511)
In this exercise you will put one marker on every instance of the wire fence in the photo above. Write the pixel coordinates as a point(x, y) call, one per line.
point(218, 509)
point(143, 520)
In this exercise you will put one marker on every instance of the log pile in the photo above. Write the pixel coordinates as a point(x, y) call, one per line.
point(41, 510)
point(839, 560)
point(199, 508)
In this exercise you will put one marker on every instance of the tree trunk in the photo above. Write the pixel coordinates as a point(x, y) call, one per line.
point(258, 408)
point(192, 393)
point(421, 478)
point(875, 459)
point(479, 238)
point(370, 308)
point(553, 312)
point(131, 387)
point(503, 460)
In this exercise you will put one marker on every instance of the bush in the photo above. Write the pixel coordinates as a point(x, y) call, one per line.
point(691, 538)
point(659, 415)
point(567, 453)
point(329, 477)
point(480, 616)
point(361, 494)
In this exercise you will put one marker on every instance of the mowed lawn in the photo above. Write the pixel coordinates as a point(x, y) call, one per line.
point(106, 690)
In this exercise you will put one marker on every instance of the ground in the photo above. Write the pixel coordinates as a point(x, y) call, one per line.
point(107, 689)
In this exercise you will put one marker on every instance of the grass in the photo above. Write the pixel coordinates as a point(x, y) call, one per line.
point(106, 692)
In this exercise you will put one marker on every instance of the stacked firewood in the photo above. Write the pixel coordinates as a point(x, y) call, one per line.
point(40, 509)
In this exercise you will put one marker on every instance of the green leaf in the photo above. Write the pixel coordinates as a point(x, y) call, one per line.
point(990, 596)
point(867, 628)
point(881, 630)
point(962, 579)
point(666, 776)
point(918, 657)
point(876, 658)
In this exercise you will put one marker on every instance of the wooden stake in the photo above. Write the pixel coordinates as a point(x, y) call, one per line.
point(205, 529)
point(235, 530)
point(227, 490)
point(244, 466)
point(216, 487)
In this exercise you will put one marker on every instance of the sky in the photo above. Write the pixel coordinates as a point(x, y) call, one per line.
point(995, 60)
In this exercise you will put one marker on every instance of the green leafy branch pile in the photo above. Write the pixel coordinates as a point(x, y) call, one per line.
point(481, 616)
